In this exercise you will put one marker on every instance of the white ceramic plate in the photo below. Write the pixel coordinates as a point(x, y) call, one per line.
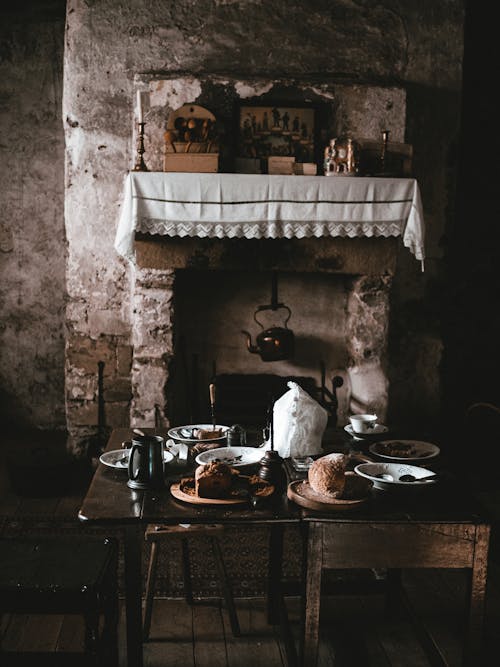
point(386, 475)
point(376, 432)
point(417, 450)
point(118, 458)
point(186, 433)
point(236, 457)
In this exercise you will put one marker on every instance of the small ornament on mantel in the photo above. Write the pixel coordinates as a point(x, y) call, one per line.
point(191, 140)
point(340, 157)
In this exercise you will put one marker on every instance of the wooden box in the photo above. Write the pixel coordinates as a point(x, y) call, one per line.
point(280, 165)
point(191, 162)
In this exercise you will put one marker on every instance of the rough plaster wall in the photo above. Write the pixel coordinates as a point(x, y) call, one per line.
point(418, 45)
point(32, 238)
point(111, 46)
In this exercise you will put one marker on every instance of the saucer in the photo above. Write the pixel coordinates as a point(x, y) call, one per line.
point(375, 432)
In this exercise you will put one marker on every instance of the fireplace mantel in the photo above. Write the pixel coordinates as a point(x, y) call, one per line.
point(261, 207)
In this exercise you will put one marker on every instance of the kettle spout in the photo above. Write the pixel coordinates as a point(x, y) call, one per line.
point(251, 348)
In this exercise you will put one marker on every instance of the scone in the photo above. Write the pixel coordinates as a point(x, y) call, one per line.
point(213, 480)
point(327, 475)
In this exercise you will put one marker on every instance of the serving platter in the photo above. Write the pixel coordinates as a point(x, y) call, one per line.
point(404, 450)
point(184, 490)
point(300, 492)
point(118, 458)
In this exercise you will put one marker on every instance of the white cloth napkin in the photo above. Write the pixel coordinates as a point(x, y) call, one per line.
point(299, 423)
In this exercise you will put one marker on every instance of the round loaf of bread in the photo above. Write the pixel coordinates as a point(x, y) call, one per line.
point(327, 475)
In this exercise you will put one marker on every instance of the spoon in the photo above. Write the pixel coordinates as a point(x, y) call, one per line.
point(412, 478)
point(385, 476)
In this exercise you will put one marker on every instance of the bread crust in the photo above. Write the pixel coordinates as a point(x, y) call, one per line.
point(327, 475)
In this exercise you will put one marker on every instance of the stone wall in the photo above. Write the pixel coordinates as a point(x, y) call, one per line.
point(111, 48)
point(32, 236)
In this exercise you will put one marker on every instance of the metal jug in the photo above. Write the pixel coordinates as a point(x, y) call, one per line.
point(145, 463)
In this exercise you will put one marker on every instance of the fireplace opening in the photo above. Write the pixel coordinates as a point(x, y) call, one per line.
point(211, 308)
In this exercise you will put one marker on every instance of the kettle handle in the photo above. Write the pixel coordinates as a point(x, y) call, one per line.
point(130, 461)
point(279, 305)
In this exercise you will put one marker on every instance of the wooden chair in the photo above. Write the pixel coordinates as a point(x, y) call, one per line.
point(397, 160)
point(63, 576)
point(157, 534)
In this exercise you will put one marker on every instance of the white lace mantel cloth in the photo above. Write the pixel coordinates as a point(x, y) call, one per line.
point(255, 206)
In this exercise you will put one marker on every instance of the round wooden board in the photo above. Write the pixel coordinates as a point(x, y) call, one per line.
point(261, 489)
point(196, 500)
point(302, 494)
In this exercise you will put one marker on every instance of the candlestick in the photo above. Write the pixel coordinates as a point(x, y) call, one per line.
point(140, 165)
point(139, 107)
point(271, 464)
point(383, 153)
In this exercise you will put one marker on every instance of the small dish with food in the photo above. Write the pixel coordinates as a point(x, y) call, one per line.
point(404, 450)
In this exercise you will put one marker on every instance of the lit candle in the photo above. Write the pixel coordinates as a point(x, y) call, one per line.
point(139, 107)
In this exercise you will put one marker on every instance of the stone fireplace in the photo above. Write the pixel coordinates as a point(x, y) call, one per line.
point(179, 308)
point(188, 319)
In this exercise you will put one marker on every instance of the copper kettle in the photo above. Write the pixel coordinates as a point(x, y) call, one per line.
point(276, 343)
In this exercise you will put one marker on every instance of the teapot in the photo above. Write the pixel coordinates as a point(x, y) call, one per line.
point(276, 343)
point(273, 344)
point(145, 463)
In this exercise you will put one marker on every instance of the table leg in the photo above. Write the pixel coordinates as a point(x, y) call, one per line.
point(276, 608)
point(474, 635)
point(312, 598)
point(133, 595)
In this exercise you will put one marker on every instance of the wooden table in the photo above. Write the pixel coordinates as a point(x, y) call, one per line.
point(109, 501)
point(430, 528)
point(426, 528)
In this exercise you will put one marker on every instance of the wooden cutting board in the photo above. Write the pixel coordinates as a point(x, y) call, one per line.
point(196, 500)
point(302, 494)
point(177, 492)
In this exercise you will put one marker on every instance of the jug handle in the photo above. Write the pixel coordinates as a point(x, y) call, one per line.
point(271, 307)
point(130, 461)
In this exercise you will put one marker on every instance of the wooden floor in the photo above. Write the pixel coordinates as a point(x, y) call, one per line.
point(355, 630)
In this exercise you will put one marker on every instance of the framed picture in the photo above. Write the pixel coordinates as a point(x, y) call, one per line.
point(277, 130)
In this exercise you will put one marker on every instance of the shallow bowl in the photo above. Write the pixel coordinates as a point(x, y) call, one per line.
point(181, 433)
point(386, 475)
point(235, 457)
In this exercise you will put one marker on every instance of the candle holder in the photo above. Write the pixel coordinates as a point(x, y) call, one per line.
point(140, 165)
point(383, 152)
point(271, 468)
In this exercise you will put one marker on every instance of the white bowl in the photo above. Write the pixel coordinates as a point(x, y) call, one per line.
point(181, 433)
point(235, 457)
point(386, 475)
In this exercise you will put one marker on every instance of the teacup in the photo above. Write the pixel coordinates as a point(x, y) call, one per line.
point(363, 424)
